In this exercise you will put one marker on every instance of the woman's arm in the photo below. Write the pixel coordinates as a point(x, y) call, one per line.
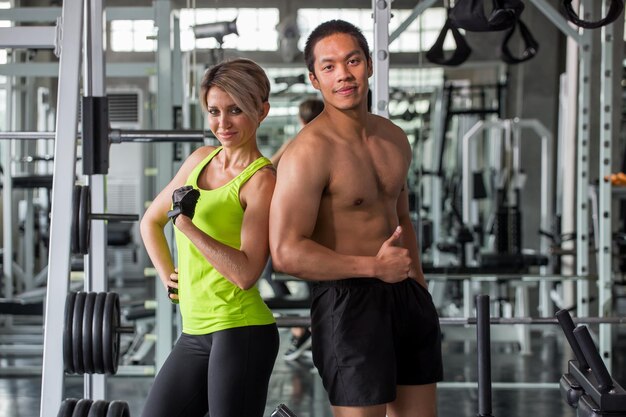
point(155, 218)
point(244, 266)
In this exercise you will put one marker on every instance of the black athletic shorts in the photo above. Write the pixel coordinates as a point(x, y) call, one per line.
point(370, 336)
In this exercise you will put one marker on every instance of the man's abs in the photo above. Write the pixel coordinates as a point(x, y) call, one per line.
point(354, 231)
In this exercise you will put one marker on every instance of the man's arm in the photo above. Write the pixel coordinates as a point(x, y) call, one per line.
point(279, 153)
point(293, 216)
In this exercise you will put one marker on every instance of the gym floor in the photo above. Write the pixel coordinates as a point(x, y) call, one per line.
point(297, 384)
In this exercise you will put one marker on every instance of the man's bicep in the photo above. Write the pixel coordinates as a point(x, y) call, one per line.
point(296, 200)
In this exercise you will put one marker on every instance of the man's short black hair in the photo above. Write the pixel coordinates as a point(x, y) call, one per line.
point(330, 28)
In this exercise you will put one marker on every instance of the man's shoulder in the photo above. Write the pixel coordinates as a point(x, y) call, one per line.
point(309, 148)
point(385, 125)
point(311, 135)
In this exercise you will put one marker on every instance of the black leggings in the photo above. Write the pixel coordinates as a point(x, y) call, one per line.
point(225, 373)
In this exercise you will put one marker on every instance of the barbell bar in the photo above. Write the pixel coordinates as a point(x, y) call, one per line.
point(305, 321)
point(122, 136)
point(82, 216)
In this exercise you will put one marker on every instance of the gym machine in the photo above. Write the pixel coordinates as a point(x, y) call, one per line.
point(588, 386)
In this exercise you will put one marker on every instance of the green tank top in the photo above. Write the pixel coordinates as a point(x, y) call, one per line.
point(208, 301)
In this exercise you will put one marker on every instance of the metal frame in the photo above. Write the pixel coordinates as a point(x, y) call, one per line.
point(605, 219)
point(163, 20)
point(512, 130)
point(380, 57)
point(96, 271)
point(62, 187)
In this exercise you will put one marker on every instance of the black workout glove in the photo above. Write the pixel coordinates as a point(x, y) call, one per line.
point(184, 201)
point(172, 290)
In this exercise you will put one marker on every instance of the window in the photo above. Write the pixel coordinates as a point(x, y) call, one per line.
point(133, 35)
point(421, 34)
point(3, 52)
point(256, 28)
point(418, 36)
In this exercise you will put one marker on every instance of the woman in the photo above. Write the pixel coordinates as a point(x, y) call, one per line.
point(223, 360)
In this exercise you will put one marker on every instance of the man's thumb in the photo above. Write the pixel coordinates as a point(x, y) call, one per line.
point(397, 234)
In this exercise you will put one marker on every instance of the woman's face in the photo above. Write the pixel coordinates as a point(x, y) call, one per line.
point(227, 121)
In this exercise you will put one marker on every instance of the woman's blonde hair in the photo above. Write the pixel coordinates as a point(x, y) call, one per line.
point(243, 80)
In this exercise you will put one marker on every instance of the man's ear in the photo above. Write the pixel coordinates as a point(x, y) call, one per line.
point(314, 81)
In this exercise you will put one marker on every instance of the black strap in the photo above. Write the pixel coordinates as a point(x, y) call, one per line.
point(470, 15)
point(615, 10)
point(531, 46)
point(436, 54)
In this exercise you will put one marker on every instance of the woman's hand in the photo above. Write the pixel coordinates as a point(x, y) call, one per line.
point(172, 287)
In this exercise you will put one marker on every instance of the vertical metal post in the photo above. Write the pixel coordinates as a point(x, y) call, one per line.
point(436, 185)
point(582, 164)
point(177, 63)
point(604, 195)
point(483, 341)
point(7, 216)
point(60, 223)
point(566, 168)
point(380, 57)
point(164, 316)
point(96, 272)
point(7, 197)
point(29, 242)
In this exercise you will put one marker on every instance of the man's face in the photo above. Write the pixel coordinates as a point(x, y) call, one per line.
point(341, 71)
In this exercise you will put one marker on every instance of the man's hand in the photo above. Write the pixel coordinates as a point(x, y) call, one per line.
point(393, 263)
point(184, 201)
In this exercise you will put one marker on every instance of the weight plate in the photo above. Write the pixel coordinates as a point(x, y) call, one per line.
point(75, 210)
point(68, 360)
point(110, 336)
point(67, 407)
point(88, 311)
point(77, 333)
point(118, 409)
point(82, 408)
point(96, 333)
point(99, 409)
point(83, 220)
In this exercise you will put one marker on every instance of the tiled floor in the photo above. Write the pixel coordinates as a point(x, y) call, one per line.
point(297, 385)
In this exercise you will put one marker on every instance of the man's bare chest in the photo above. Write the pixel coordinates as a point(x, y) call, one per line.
point(363, 178)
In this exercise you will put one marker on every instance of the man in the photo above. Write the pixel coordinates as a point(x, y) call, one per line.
point(300, 343)
point(340, 216)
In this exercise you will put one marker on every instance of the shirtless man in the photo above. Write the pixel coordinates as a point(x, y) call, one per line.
point(340, 217)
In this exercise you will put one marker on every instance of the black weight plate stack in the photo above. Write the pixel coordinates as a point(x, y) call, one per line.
point(83, 220)
point(68, 358)
point(82, 408)
point(87, 348)
point(77, 333)
point(67, 407)
point(110, 336)
point(96, 333)
point(99, 409)
point(118, 409)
